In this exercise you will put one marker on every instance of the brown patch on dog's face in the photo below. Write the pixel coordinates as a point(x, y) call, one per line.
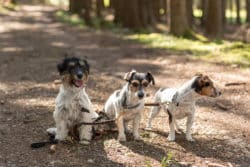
point(135, 85)
point(138, 82)
point(205, 87)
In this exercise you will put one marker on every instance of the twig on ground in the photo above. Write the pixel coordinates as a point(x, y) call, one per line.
point(235, 83)
point(222, 106)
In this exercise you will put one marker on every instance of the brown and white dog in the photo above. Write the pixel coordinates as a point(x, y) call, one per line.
point(72, 104)
point(127, 103)
point(182, 102)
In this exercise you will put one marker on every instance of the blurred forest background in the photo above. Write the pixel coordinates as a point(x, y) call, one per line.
point(213, 30)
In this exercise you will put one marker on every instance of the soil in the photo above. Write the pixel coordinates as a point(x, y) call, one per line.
point(32, 42)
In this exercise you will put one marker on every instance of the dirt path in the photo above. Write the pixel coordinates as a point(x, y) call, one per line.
point(32, 43)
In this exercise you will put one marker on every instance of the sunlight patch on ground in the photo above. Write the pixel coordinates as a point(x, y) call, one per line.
point(12, 49)
point(211, 51)
point(59, 44)
point(35, 102)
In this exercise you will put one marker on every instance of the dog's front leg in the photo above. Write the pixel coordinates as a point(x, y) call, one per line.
point(61, 130)
point(85, 132)
point(171, 136)
point(190, 120)
point(136, 126)
point(121, 130)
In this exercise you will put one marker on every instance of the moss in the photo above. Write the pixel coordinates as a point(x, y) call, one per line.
point(68, 18)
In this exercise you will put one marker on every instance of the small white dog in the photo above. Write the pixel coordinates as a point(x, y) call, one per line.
point(182, 103)
point(72, 104)
point(128, 103)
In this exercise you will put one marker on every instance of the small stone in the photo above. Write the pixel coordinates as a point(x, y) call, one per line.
point(52, 148)
point(90, 160)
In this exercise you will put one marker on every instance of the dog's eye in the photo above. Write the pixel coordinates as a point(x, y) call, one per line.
point(135, 84)
point(207, 84)
point(145, 84)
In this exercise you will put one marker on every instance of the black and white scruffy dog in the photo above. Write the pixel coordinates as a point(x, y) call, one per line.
point(72, 104)
point(182, 102)
point(127, 104)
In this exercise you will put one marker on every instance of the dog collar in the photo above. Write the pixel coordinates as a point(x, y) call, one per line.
point(129, 107)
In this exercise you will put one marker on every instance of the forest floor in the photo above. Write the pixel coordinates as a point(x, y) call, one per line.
point(32, 42)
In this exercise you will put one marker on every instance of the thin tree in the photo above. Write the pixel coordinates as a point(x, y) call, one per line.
point(214, 18)
point(83, 8)
point(178, 17)
point(238, 12)
point(99, 8)
point(223, 11)
point(248, 10)
point(204, 11)
point(189, 9)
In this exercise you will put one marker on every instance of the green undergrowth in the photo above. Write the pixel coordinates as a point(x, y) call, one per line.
point(4, 9)
point(72, 19)
point(218, 51)
point(76, 20)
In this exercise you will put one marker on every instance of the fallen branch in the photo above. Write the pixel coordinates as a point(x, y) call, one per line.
point(152, 104)
point(235, 83)
point(222, 106)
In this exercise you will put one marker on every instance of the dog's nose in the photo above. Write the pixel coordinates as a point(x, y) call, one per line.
point(79, 75)
point(219, 93)
point(140, 94)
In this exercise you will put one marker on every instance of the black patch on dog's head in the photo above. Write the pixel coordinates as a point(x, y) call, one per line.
point(134, 75)
point(68, 64)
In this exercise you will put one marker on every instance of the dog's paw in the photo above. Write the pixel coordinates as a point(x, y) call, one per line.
point(128, 131)
point(137, 137)
point(189, 138)
point(171, 138)
point(122, 138)
point(178, 131)
point(84, 142)
point(51, 131)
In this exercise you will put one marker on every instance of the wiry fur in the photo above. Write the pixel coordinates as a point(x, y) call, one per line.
point(182, 103)
point(114, 107)
point(72, 106)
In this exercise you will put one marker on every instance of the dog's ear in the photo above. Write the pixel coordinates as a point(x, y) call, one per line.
point(151, 78)
point(86, 65)
point(198, 83)
point(129, 75)
point(60, 68)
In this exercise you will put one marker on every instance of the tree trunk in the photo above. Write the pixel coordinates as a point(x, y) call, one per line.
point(214, 18)
point(189, 9)
point(223, 11)
point(248, 10)
point(238, 12)
point(87, 10)
point(99, 8)
point(178, 20)
point(134, 13)
point(231, 10)
point(76, 6)
point(156, 6)
point(204, 11)
point(117, 4)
